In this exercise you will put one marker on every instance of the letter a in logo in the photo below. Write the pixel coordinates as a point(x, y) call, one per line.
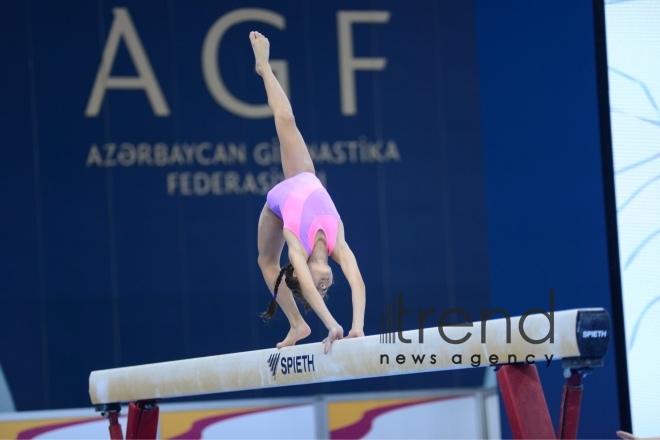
point(272, 363)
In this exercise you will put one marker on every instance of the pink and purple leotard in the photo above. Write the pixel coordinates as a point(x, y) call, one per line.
point(305, 207)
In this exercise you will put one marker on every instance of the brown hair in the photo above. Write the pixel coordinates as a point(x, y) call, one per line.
point(294, 286)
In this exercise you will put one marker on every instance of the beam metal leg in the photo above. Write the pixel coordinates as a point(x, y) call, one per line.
point(111, 412)
point(571, 400)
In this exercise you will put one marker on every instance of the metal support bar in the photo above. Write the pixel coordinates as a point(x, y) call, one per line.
point(111, 412)
point(571, 401)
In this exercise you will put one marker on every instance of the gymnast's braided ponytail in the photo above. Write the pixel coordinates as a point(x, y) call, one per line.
point(272, 308)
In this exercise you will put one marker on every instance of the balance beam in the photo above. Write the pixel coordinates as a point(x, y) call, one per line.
point(577, 334)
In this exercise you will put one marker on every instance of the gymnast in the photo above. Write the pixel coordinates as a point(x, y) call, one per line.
point(300, 212)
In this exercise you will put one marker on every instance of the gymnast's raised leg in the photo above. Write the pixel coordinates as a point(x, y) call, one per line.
point(295, 156)
point(295, 160)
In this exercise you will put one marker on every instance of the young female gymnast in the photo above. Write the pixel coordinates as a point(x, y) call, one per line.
point(299, 211)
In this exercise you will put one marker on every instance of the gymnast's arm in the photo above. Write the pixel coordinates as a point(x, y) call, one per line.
point(343, 255)
point(307, 286)
point(311, 294)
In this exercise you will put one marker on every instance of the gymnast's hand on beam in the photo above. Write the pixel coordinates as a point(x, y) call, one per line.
point(334, 333)
point(355, 333)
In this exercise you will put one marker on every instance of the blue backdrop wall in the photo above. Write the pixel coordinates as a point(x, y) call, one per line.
point(465, 163)
point(544, 182)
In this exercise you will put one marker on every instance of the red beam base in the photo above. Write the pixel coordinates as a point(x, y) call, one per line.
point(524, 402)
point(142, 420)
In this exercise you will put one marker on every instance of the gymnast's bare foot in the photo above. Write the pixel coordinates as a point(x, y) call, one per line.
point(295, 335)
point(261, 48)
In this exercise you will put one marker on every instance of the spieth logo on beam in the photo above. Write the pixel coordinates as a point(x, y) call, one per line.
point(291, 364)
point(594, 334)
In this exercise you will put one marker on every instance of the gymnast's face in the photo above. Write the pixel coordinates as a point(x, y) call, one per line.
point(322, 276)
